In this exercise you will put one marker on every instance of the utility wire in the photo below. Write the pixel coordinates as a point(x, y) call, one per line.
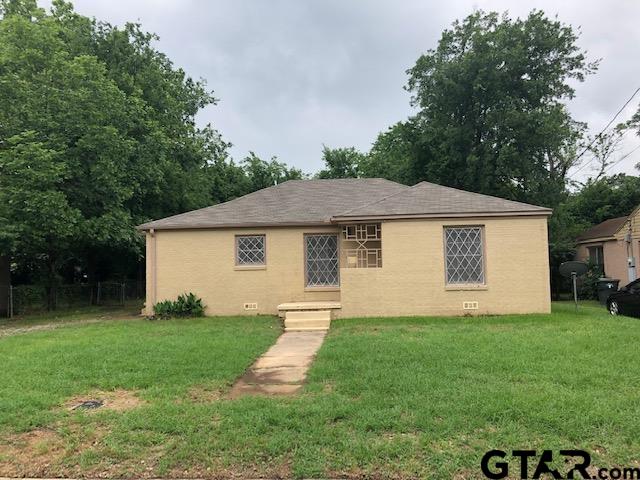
point(620, 159)
point(601, 132)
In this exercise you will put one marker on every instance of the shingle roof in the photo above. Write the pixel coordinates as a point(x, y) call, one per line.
point(429, 199)
point(608, 228)
point(296, 202)
point(316, 202)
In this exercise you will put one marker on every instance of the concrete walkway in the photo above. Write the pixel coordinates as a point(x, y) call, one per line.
point(283, 368)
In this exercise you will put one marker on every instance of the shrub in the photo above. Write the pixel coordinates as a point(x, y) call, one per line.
point(187, 305)
point(164, 309)
point(588, 288)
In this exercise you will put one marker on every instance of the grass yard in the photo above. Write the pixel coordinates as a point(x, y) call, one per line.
point(71, 315)
point(406, 398)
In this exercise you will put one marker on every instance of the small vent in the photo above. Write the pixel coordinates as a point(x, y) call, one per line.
point(470, 305)
point(250, 306)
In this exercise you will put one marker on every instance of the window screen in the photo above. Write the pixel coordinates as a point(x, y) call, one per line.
point(596, 257)
point(250, 250)
point(321, 260)
point(464, 262)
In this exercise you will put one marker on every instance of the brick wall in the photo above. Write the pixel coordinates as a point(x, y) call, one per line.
point(410, 282)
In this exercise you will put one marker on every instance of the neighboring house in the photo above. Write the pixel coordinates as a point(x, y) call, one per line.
point(358, 247)
point(614, 245)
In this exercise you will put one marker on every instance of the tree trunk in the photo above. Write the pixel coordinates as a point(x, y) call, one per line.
point(5, 281)
point(51, 283)
point(91, 273)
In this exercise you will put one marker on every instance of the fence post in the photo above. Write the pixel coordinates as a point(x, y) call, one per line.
point(10, 312)
point(123, 292)
point(98, 293)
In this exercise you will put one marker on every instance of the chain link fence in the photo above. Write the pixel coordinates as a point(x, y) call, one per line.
point(28, 299)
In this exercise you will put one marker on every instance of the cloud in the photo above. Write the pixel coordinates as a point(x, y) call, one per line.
point(293, 75)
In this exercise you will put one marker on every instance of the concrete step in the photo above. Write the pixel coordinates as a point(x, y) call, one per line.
point(285, 307)
point(306, 329)
point(307, 320)
point(308, 315)
point(317, 324)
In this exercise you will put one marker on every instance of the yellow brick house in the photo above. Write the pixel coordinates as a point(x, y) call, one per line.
point(354, 248)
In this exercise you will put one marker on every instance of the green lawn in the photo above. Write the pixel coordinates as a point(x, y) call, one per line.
point(70, 315)
point(400, 397)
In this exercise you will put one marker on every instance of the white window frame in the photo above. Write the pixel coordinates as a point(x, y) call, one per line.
point(238, 261)
point(483, 256)
point(320, 286)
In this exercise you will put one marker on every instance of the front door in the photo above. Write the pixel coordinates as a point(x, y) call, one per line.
point(322, 265)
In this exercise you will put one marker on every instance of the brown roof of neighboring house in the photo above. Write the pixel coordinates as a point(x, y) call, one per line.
point(316, 202)
point(606, 229)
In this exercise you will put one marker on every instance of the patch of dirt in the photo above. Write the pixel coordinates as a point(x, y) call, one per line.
point(7, 329)
point(468, 474)
point(118, 400)
point(35, 450)
point(373, 473)
point(411, 436)
point(204, 394)
point(274, 469)
point(328, 387)
point(42, 453)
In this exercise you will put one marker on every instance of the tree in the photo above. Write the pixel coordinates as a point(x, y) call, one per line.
point(97, 135)
point(392, 154)
point(491, 114)
point(341, 162)
point(263, 174)
point(605, 198)
point(634, 124)
point(604, 145)
point(36, 215)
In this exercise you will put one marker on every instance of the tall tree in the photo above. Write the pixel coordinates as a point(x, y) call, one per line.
point(262, 174)
point(341, 162)
point(603, 146)
point(392, 154)
point(491, 114)
point(97, 134)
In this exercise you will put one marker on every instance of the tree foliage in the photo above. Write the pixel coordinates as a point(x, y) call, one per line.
point(341, 163)
point(262, 174)
point(392, 154)
point(491, 115)
point(97, 135)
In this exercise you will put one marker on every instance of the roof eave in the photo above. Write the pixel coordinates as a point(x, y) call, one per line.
point(347, 218)
point(343, 218)
point(625, 224)
point(595, 240)
point(150, 226)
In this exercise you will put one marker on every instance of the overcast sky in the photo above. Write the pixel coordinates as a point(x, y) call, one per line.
point(292, 75)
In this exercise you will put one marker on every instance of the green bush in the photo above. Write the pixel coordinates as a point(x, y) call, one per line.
point(588, 289)
point(187, 305)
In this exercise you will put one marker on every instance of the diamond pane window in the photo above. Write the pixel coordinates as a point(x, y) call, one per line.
point(250, 250)
point(321, 260)
point(464, 255)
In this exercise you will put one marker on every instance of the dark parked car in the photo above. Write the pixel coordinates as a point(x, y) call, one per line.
point(626, 301)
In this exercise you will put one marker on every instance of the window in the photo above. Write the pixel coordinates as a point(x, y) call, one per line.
point(321, 260)
point(250, 250)
point(596, 257)
point(464, 255)
point(362, 245)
